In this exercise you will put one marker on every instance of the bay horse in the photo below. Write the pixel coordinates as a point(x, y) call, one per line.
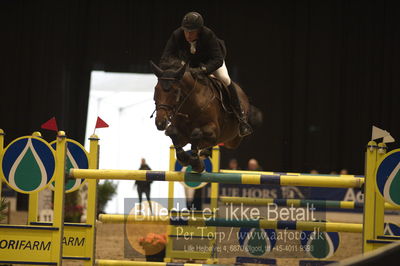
point(191, 110)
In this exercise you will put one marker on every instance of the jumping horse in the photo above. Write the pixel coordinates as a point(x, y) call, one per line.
point(191, 110)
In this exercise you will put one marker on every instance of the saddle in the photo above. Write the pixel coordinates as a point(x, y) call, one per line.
point(223, 93)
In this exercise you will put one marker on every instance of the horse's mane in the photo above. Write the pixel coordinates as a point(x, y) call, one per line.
point(170, 63)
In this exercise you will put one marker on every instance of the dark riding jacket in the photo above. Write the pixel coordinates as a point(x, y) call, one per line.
point(210, 51)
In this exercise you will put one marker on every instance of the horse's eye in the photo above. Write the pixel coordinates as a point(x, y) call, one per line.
point(167, 88)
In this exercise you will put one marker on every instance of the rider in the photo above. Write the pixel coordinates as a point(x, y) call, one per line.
point(195, 43)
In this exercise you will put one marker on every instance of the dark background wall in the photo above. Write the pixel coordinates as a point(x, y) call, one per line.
point(322, 72)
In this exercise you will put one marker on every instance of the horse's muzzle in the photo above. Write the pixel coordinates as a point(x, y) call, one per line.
point(162, 120)
point(161, 124)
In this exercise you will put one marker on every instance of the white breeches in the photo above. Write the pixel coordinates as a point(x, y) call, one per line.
point(222, 74)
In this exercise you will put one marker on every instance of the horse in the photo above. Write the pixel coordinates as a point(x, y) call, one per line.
point(191, 110)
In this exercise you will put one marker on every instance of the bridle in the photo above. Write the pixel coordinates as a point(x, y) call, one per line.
point(172, 109)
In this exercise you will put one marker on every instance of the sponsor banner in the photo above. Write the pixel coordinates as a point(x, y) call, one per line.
point(289, 192)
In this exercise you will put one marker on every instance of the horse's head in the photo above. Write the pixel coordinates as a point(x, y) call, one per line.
point(167, 93)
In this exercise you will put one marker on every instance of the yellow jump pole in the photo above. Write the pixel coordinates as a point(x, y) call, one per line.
point(379, 201)
point(169, 250)
point(221, 222)
point(254, 179)
point(171, 192)
point(58, 217)
point(300, 203)
point(280, 173)
point(1, 155)
point(91, 211)
point(215, 159)
point(215, 186)
point(369, 196)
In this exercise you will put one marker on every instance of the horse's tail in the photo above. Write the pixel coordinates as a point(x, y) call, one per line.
point(255, 116)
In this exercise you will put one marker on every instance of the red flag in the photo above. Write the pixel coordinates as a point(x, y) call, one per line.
point(50, 124)
point(100, 123)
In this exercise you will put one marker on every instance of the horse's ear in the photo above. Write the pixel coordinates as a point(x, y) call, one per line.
point(179, 73)
point(156, 70)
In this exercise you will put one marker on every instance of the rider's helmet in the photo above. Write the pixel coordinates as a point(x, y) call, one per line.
point(192, 21)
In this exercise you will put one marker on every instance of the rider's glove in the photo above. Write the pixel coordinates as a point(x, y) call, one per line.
point(203, 67)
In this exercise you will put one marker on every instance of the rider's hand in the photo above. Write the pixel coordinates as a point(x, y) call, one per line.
point(197, 73)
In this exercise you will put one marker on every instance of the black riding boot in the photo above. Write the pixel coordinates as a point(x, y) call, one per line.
point(244, 127)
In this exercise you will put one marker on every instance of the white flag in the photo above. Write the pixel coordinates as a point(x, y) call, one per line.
point(388, 139)
point(378, 133)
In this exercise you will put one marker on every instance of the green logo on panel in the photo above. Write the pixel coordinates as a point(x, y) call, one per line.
point(28, 164)
point(388, 177)
point(76, 158)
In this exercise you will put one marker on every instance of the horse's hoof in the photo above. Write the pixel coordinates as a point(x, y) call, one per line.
point(205, 153)
point(198, 169)
point(183, 157)
point(197, 165)
point(184, 162)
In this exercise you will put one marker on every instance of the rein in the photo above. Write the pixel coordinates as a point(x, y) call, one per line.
point(185, 99)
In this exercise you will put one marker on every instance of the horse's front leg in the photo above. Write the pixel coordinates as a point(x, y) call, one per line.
point(211, 134)
point(195, 161)
point(183, 157)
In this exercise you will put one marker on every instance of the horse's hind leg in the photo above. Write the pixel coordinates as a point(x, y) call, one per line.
point(210, 136)
point(210, 132)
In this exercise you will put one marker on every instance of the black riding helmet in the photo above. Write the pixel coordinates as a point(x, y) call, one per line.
point(192, 21)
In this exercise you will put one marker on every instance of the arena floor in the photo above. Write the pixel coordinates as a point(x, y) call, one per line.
point(110, 244)
point(110, 239)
